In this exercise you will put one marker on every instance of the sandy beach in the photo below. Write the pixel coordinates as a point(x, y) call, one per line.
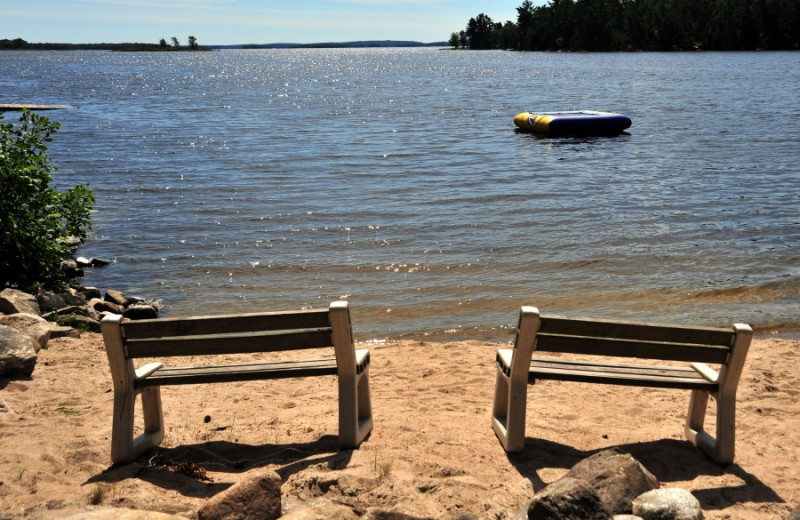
point(432, 452)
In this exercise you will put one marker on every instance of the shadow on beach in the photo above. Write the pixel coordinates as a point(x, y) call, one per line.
point(669, 460)
point(183, 468)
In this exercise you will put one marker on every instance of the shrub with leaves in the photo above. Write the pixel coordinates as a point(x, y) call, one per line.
point(40, 227)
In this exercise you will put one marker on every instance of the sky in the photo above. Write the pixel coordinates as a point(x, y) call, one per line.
point(231, 22)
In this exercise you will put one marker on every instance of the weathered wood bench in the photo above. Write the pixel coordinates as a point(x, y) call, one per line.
point(725, 348)
point(126, 340)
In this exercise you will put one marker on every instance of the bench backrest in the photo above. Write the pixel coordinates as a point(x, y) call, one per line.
point(227, 334)
point(230, 334)
point(630, 339)
point(538, 332)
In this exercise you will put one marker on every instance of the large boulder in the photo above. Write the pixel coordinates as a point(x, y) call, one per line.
point(254, 498)
point(73, 298)
point(13, 301)
point(81, 322)
point(34, 326)
point(49, 301)
point(667, 504)
point(105, 306)
point(141, 312)
point(617, 478)
point(17, 353)
point(565, 499)
point(117, 297)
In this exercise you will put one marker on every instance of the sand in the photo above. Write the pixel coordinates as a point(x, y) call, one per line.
point(432, 452)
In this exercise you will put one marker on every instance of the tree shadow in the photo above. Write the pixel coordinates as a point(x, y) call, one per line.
point(669, 460)
point(183, 468)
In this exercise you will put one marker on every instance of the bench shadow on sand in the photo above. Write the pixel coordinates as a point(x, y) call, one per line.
point(669, 460)
point(183, 467)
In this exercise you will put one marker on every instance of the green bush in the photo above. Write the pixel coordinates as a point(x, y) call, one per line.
point(40, 227)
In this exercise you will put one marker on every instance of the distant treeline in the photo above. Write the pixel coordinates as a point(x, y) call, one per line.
point(646, 25)
point(20, 44)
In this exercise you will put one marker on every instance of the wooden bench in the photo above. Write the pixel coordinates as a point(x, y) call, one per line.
point(725, 348)
point(126, 340)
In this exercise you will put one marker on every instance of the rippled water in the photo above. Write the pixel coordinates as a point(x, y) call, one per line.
point(248, 180)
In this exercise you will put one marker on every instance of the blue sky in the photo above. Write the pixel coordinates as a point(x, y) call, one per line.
point(243, 21)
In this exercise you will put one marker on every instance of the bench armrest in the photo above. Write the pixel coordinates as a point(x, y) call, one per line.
point(361, 354)
point(707, 372)
point(505, 355)
point(145, 370)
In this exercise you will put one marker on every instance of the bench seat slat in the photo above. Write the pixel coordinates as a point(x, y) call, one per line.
point(239, 372)
point(227, 324)
point(610, 373)
point(221, 344)
point(620, 374)
point(665, 351)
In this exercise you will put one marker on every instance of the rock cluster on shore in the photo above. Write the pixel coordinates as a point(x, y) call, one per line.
point(27, 321)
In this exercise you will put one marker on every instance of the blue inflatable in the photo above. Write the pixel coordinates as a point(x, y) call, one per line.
point(579, 122)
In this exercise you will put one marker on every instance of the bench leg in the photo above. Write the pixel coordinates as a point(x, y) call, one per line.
point(153, 420)
point(122, 424)
point(721, 448)
point(508, 412)
point(355, 409)
point(124, 447)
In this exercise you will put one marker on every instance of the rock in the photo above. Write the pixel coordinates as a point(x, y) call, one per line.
point(4, 408)
point(123, 514)
point(63, 331)
point(49, 301)
point(71, 270)
point(81, 322)
point(565, 499)
point(88, 292)
point(141, 312)
point(101, 306)
point(626, 517)
point(34, 326)
point(667, 504)
point(255, 498)
point(13, 301)
point(116, 297)
point(73, 298)
point(17, 353)
point(321, 510)
point(795, 515)
point(617, 478)
point(82, 261)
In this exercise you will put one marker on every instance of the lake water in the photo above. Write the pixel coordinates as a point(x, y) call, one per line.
point(237, 181)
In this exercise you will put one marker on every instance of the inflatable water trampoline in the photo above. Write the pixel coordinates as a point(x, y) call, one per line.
point(579, 122)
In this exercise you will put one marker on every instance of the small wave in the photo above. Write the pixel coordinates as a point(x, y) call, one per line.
point(770, 291)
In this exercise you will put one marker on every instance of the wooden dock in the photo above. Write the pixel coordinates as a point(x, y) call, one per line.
point(5, 107)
